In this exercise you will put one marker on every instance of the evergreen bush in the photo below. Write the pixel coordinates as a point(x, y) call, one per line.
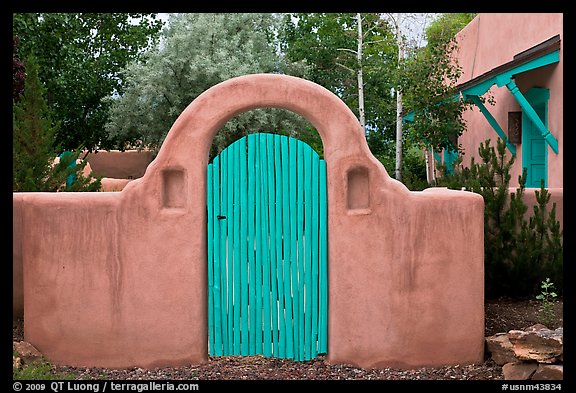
point(518, 252)
point(33, 150)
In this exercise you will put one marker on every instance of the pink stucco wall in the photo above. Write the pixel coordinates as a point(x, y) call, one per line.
point(492, 39)
point(119, 279)
point(128, 164)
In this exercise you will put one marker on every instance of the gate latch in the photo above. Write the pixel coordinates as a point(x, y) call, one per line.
point(221, 217)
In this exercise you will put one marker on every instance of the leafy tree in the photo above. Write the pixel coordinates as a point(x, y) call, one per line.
point(81, 56)
point(33, 152)
point(199, 51)
point(329, 43)
point(428, 78)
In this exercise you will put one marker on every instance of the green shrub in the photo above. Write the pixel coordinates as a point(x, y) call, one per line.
point(547, 296)
point(38, 369)
point(518, 253)
point(33, 150)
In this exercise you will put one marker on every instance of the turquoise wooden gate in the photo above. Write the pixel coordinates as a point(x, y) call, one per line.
point(267, 249)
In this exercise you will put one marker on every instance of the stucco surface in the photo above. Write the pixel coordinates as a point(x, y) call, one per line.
point(115, 164)
point(119, 279)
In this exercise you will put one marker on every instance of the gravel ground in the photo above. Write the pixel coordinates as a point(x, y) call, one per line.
point(501, 315)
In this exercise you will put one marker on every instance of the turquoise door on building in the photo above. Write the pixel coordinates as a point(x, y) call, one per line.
point(534, 147)
point(267, 249)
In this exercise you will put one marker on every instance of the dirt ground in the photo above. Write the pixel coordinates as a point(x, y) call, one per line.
point(501, 315)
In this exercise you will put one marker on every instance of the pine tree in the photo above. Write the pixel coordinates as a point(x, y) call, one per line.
point(32, 145)
point(519, 253)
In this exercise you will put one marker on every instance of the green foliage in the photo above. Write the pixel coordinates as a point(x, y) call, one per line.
point(327, 42)
point(445, 27)
point(199, 51)
point(518, 252)
point(81, 56)
point(36, 370)
point(428, 78)
point(547, 296)
point(18, 71)
point(414, 170)
point(32, 145)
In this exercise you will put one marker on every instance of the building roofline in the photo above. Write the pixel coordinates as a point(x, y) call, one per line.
point(550, 45)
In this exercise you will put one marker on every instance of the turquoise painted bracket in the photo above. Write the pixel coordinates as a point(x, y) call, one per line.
point(505, 79)
point(532, 115)
point(492, 121)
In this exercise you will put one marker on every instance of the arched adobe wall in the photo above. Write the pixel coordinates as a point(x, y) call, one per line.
point(405, 268)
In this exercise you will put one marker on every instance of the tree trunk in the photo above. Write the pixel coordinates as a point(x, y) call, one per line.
point(360, 77)
point(398, 135)
point(398, 171)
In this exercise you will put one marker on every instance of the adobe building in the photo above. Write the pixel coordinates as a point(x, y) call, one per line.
point(517, 59)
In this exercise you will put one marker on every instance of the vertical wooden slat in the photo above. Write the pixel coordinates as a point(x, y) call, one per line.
point(259, 246)
point(236, 247)
point(267, 337)
point(281, 351)
point(293, 151)
point(217, 296)
point(301, 257)
point(224, 250)
point(287, 210)
point(230, 248)
point(210, 256)
point(251, 235)
point(307, 250)
point(314, 179)
point(271, 161)
point(242, 262)
point(323, 261)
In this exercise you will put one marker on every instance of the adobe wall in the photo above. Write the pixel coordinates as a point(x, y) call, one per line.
point(128, 164)
point(106, 275)
point(17, 266)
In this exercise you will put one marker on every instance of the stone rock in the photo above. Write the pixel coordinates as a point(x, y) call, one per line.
point(501, 349)
point(27, 351)
point(519, 371)
point(535, 328)
point(549, 372)
point(540, 344)
point(16, 362)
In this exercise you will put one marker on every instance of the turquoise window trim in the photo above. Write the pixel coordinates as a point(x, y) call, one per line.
point(536, 96)
point(492, 121)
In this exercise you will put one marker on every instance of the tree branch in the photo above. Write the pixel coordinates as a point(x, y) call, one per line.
point(349, 69)
point(348, 50)
point(167, 99)
point(372, 42)
point(377, 24)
